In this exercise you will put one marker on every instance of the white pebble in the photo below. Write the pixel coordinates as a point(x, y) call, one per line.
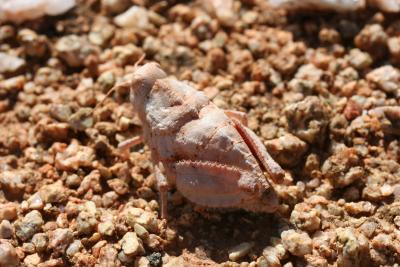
point(240, 250)
point(135, 17)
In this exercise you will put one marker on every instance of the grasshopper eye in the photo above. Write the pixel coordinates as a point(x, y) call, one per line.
point(139, 84)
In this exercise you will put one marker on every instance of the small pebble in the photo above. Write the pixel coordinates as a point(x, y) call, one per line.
point(8, 255)
point(299, 244)
point(29, 225)
point(10, 64)
point(6, 229)
point(41, 241)
point(240, 251)
point(106, 228)
point(8, 211)
point(60, 239)
point(86, 223)
point(135, 17)
point(131, 244)
point(73, 50)
point(147, 219)
point(53, 193)
point(74, 248)
point(32, 260)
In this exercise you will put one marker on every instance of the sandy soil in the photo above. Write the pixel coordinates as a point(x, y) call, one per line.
point(322, 90)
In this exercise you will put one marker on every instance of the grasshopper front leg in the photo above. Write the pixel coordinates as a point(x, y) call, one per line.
point(163, 187)
point(126, 145)
point(129, 143)
point(162, 181)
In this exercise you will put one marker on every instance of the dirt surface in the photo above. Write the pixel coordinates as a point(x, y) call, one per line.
point(320, 89)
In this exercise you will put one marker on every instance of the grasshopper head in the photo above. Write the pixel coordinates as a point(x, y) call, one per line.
point(140, 83)
point(144, 78)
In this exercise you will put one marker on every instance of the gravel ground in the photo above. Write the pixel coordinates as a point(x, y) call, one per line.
point(321, 90)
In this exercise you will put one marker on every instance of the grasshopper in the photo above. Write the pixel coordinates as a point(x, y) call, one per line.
point(206, 153)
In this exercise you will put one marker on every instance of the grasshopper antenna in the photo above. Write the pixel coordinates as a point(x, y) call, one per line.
point(112, 90)
point(140, 60)
point(121, 85)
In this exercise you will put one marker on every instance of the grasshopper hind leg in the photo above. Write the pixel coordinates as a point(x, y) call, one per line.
point(260, 152)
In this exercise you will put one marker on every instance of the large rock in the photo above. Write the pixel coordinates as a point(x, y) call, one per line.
point(18, 11)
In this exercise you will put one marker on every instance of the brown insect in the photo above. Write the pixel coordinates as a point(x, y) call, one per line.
point(206, 153)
